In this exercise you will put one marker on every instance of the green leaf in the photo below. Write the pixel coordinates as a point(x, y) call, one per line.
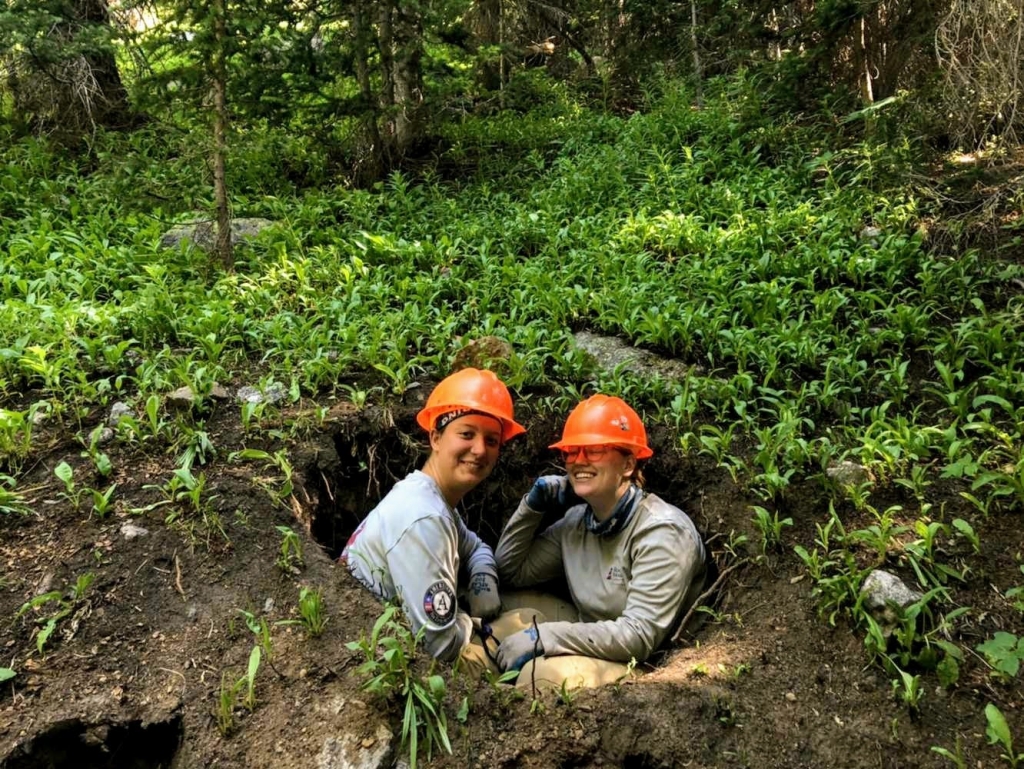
point(65, 473)
point(44, 634)
point(6, 674)
point(254, 663)
point(948, 671)
point(462, 716)
point(998, 730)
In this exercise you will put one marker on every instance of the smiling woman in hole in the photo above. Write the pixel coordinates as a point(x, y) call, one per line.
point(633, 562)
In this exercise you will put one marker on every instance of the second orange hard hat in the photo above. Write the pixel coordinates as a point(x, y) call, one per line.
point(605, 420)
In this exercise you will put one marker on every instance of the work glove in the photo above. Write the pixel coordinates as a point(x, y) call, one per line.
point(518, 649)
point(482, 596)
point(552, 494)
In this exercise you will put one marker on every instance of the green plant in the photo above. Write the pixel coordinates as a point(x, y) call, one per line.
point(278, 459)
point(388, 654)
point(1004, 652)
point(998, 731)
point(311, 610)
point(909, 690)
point(6, 674)
point(11, 501)
point(289, 558)
point(101, 501)
point(770, 527)
point(61, 607)
point(101, 462)
point(956, 757)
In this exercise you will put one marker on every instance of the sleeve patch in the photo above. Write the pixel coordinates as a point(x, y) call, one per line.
point(439, 603)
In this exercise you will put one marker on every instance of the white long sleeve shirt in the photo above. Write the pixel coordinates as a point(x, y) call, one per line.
point(411, 546)
point(630, 588)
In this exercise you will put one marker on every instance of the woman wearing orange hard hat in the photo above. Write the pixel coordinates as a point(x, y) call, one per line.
point(412, 545)
point(633, 562)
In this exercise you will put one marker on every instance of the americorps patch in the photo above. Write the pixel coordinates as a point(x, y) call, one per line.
point(439, 603)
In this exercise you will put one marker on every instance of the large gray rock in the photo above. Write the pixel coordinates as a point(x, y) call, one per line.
point(348, 752)
point(882, 591)
point(609, 353)
point(847, 473)
point(203, 235)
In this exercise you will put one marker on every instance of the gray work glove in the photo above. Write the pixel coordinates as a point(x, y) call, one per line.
point(552, 494)
point(482, 596)
point(518, 649)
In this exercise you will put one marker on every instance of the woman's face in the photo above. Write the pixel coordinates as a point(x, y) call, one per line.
point(466, 450)
point(599, 474)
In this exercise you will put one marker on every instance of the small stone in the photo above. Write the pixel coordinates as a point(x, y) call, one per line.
point(870, 233)
point(268, 606)
point(131, 531)
point(272, 393)
point(182, 398)
point(368, 742)
point(192, 612)
point(102, 436)
point(847, 473)
point(790, 697)
point(219, 392)
point(117, 412)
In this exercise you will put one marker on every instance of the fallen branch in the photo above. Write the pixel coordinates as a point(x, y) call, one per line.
point(704, 596)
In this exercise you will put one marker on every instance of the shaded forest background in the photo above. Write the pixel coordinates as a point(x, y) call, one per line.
point(372, 84)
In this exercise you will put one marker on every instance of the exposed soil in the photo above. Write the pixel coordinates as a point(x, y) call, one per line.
point(131, 677)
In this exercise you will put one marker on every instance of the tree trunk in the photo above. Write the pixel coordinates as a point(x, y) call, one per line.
point(408, 76)
point(698, 70)
point(111, 98)
point(373, 161)
point(220, 120)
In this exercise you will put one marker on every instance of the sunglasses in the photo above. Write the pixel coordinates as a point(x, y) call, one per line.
point(588, 453)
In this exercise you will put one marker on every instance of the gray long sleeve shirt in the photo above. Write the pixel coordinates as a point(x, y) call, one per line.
point(411, 546)
point(630, 588)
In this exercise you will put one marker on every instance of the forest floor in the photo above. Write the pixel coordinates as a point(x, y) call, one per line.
point(131, 676)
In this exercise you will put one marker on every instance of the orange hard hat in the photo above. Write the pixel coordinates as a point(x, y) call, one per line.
point(474, 389)
point(605, 420)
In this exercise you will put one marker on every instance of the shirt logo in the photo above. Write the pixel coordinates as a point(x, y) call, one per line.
point(439, 603)
point(615, 576)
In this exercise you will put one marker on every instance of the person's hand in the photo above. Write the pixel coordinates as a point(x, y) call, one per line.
point(518, 649)
point(552, 494)
point(482, 596)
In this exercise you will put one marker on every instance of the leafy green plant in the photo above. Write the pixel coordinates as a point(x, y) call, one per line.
point(311, 611)
point(770, 527)
point(909, 690)
point(6, 674)
point(1004, 652)
point(998, 731)
point(956, 756)
point(53, 607)
point(289, 557)
point(389, 652)
point(12, 502)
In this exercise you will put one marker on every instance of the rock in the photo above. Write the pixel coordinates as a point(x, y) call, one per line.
point(220, 393)
point(882, 590)
point(203, 235)
point(268, 606)
point(611, 353)
point(487, 352)
point(847, 473)
point(101, 436)
point(117, 412)
point(131, 531)
point(790, 697)
point(272, 393)
point(870, 232)
point(183, 398)
point(357, 752)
